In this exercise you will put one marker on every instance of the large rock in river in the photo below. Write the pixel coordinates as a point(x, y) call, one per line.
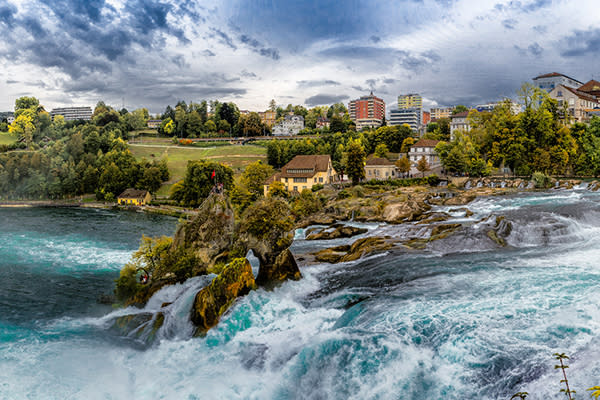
point(210, 303)
point(335, 231)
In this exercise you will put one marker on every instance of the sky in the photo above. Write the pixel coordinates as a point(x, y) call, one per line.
point(147, 53)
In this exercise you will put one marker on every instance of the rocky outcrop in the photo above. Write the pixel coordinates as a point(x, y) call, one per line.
point(282, 269)
point(210, 303)
point(211, 234)
point(500, 231)
point(360, 248)
point(335, 231)
point(408, 210)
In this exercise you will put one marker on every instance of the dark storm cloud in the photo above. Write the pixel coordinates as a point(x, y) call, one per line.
point(321, 99)
point(317, 83)
point(258, 47)
point(7, 14)
point(383, 55)
point(224, 38)
point(582, 43)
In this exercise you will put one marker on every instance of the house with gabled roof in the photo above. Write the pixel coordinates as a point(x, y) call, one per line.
point(134, 197)
point(591, 87)
point(577, 101)
point(379, 168)
point(304, 171)
point(424, 148)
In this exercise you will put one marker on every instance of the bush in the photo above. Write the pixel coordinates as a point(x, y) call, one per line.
point(358, 191)
point(317, 187)
point(541, 180)
point(344, 194)
point(433, 180)
point(127, 285)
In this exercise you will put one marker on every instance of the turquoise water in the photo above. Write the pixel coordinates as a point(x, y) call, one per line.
point(461, 320)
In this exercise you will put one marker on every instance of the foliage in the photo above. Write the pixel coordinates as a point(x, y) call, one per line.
point(560, 357)
point(354, 162)
point(596, 392)
point(127, 284)
point(540, 180)
point(254, 176)
point(268, 218)
point(306, 204)
point(381, 150)
point(277, 189)
point(200, 178)
point(403, 165)
point(423, 165)
point(316, 187)
point(433, 180)
point(152, 253)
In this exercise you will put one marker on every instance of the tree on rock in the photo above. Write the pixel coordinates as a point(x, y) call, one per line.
point(200, 178)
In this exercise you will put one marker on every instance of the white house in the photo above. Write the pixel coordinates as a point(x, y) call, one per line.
point(459, 122)
point(291, 125)
point(424, 148)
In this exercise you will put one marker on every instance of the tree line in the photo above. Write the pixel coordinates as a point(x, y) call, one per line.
point(63, 159)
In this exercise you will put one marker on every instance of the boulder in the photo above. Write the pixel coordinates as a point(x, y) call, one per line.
point(210, 303)
point(282, 269)
point(408, 210)
point(335, 231)
point(332, 255)
point(366, 246)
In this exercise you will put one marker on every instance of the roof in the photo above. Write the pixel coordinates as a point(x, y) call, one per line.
point(133, 194)
point(272, 179)
point(462, 114)
point(378, 161)
point(306, 166)
point(591, 86)
point(426, 143)
point(553, 74)
point(581, 95)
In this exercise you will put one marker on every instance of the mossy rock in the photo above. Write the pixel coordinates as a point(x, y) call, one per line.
point(495, 238)
point(444, 228)
point(366, 246)
point(211, 302)
point(283, 268)
point(332, 255)
point(339, 231)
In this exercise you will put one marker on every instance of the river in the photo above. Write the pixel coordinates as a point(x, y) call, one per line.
point(463, 319)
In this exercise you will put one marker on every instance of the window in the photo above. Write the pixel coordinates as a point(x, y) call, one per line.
point(295, 188)
point(559, 93)
point(300, 180)
point(286, 180)
point(315, 180)
point(572, 101)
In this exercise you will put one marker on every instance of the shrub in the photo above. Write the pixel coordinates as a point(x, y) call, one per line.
point(358, 191)
point(127, 284)
point(344, 194)
point(540, 180)
point(317, 187)
point(433, 180)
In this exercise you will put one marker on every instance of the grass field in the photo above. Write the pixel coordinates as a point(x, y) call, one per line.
point(235, 156)
point(7, 138)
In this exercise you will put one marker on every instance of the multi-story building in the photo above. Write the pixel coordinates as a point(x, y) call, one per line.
point(409, 112)
point(268, 117)
point(549, 81)
point(406, 116)
point(578, 102)
point(290, 125)
point(515, 108)
point(411, 100)
point(73, 113)
point(424, 148)
point(302, 172)
point(592, 87)
point(444, 112)
point(426, 118)
point(459, 122)
point(367, 111)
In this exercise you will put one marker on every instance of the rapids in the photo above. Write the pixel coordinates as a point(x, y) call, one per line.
point(462, 319)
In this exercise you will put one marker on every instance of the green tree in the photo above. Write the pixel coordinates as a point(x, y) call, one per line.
point(354, 164)
point(403, 165)
point(381, 150)
point(199, 181)
point(423, 166)
point(254, 176)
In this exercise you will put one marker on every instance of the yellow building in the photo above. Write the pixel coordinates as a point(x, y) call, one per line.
point(268, 117)
point(380, 169)
point(411, 100)
point(303, 172)
point(134, 197)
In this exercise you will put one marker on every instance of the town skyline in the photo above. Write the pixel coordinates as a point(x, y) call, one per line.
point(152, 54)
